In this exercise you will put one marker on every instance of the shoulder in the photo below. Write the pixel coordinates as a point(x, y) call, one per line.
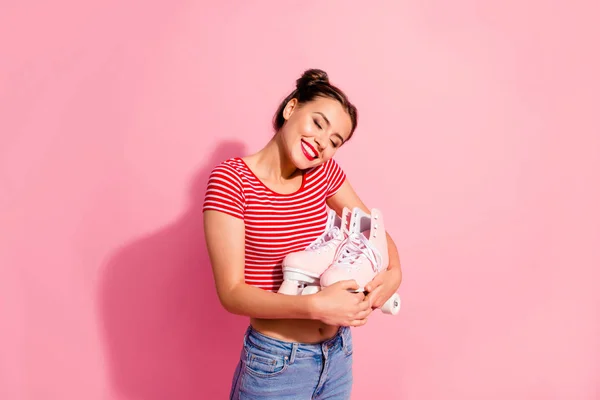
point(232, 165)
point(332, 170)
point(230, 169)
point(225, 189)
point(327, 168)
point(331, 165)
point(332, 176)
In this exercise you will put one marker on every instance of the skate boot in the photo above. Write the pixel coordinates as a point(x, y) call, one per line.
point(302, 269)
point(362, 255)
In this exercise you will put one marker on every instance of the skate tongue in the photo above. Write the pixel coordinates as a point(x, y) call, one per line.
point(354, 248)
point(325, 239)
point(352, 251)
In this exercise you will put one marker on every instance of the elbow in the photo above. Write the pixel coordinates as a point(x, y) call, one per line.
point(227, 303)
point(227, 298)
point(231, 307)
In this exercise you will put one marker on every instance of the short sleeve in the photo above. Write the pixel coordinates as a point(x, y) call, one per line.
point(225, 192)
point(335, 177)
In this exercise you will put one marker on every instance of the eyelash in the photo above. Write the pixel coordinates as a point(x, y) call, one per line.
point(332, 142)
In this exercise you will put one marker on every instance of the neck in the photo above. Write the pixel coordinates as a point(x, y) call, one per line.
point(273, 161)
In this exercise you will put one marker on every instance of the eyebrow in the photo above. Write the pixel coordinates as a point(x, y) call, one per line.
point(340, 136)
point(329, 124)
point(324, 117)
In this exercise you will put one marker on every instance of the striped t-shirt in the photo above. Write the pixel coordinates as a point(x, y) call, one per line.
point(276, 224)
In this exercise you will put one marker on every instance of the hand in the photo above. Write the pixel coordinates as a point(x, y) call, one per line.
point(382, 287)
point(336, 305)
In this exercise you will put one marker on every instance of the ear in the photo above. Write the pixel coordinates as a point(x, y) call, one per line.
point(289, 108)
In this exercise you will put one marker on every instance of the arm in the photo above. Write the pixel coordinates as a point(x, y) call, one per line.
point(225, 242)
point(388, 282)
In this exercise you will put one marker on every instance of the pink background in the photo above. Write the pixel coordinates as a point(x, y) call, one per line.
point(479, 138)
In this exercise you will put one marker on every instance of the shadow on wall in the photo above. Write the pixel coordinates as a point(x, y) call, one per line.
point(167, 335)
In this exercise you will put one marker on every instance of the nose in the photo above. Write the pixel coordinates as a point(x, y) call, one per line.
point(318, 141)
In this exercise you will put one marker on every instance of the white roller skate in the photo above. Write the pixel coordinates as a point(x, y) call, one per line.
point(362, 255)
point(302, 269)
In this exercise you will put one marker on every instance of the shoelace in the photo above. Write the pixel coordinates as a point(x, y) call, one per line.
point(355, 246)
point(327, 239)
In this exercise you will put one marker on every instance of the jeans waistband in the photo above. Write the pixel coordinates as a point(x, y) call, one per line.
point(341, 340)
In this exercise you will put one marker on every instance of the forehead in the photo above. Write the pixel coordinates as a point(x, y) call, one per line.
point(334, 112)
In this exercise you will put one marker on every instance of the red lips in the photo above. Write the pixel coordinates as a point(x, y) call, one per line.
point(311, 147)
point(309, 156)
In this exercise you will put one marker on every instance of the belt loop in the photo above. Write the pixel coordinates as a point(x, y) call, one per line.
point(342, 334)
point(293, 352)
point(248, 330)
point(246, 334)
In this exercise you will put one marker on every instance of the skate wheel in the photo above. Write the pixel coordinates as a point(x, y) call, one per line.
point(392, 306)
point(311, 289)
point(290, 287)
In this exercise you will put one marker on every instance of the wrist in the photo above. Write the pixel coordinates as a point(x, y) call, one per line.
point(313, 306)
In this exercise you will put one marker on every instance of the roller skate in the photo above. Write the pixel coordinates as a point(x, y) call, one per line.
point(302, 269)
point(362, 255)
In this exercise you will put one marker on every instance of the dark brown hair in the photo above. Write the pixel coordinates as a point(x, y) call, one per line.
point(312, 84)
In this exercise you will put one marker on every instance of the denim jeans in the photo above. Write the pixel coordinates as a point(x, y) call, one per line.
point(273, 369)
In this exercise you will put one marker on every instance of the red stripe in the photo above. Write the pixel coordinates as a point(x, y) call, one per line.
point(276, 224)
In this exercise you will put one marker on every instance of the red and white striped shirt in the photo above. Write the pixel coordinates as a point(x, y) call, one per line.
point(276, 224)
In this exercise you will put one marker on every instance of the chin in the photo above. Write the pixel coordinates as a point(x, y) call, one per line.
point(300, 161)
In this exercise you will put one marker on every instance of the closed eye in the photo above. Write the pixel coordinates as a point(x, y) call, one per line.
point(317, 123)
point(334, 143)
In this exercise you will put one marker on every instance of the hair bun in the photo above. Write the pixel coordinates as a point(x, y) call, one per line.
point(312, 77)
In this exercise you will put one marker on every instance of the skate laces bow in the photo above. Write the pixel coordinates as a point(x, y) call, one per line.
point(355, 246)
point(327, 239)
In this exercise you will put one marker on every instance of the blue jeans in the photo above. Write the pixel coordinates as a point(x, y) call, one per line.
point(273, 369)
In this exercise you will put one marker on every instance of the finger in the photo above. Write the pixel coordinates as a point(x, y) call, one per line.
point(360, 296)
point(374, 297)
point(375, 292)
point(348, 285)
point(364, 305)
point(377, 302)
point(376, 282)
point(363, 314)
point(358, 322)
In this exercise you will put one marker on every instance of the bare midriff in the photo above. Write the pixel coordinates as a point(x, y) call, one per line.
point(295, 330)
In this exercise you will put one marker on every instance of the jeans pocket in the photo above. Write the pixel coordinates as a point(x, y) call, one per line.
point(263, 364)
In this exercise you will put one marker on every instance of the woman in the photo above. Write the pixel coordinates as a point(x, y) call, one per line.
point(261, 207)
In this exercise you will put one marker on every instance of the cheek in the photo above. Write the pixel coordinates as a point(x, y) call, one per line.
point(329, 152)
point(299, 129)
point(308, 128)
